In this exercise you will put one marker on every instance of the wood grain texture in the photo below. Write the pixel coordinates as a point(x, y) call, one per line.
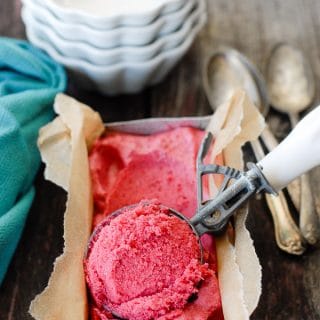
point(291, 285)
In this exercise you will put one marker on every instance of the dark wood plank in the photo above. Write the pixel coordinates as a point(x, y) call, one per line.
point(118, 108)
point(10, 20)
point(41, 242)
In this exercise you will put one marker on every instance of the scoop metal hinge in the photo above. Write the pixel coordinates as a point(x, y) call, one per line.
point(237, 186)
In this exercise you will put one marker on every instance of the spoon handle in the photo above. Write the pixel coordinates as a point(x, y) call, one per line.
point(295, 155)
point(287, 234)
point(308, 221)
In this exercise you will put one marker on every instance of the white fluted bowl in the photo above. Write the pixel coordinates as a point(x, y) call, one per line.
point(109, 14)
point(125, 77)
point(105, 38)
point(85, 52)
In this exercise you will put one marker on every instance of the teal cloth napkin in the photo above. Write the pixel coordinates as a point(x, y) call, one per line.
point(29, 81)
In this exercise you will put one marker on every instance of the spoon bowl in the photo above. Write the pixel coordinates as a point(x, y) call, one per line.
point(228, 70)
point(290, 81)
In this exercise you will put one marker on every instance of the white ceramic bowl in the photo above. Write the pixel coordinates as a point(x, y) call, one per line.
point(109, 14)
point(105, 39)
point(126, 77)
point(104, 57)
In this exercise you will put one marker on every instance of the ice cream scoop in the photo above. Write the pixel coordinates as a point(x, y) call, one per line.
point(295, 155)
point(298, 153)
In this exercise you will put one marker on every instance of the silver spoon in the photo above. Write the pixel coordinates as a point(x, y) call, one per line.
point(225, 71)
point(291, 88)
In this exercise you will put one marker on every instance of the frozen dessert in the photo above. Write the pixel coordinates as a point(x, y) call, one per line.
point(143, 262)
point(127, 168)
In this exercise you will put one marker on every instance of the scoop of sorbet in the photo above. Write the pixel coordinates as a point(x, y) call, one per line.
point(144, 263)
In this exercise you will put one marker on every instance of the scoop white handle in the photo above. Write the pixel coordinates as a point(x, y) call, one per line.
point(295, 155)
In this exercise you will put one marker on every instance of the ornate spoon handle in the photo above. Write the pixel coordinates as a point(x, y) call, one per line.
point(287, 234)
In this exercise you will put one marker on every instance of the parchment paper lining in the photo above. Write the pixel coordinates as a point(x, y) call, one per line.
point(64, 145)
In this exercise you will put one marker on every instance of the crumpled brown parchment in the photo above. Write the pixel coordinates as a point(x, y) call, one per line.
point(64, 145)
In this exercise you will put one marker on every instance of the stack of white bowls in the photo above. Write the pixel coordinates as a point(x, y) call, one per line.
point(115, 46)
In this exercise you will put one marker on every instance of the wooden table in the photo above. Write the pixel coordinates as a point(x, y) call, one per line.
point(291, 285)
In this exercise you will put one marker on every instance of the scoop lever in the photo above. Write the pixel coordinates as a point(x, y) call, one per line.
point(295, 155)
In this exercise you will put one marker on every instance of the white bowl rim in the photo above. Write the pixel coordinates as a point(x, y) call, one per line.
point(145, 6)
point(117, 32)
point(92, 68)
point(55, 40)
point(112, 21)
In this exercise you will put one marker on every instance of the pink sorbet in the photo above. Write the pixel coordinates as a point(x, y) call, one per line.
point(144, 263)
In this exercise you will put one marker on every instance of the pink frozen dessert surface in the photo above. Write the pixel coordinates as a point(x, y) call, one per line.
point(144, 263)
